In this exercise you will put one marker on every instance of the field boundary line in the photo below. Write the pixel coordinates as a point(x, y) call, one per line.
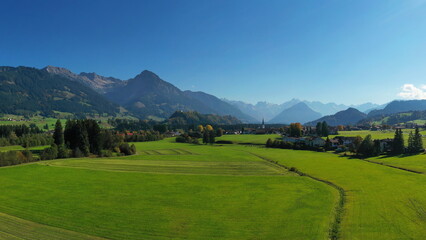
point(391, 166)
point(334, 232)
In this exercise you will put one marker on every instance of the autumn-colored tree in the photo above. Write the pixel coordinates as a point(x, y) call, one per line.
point(295, 130)
point(340, 128)
point(209, 127)
point(200, 128)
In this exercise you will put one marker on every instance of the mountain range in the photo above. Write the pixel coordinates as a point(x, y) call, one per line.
point(349, 116)
point(299, 112)
point(268, 111)
point(26, 90)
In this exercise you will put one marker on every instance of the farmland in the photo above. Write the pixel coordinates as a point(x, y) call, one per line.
point(231, 191)
point(168, 190)
point(379, 134)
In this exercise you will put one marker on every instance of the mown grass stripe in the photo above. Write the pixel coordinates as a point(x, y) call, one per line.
point(334, 232)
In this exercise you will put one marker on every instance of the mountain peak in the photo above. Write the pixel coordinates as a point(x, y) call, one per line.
point(345, 117)
point(57, 70)
point(299, 112)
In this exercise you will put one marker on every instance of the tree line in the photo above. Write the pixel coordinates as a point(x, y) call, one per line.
point(81, 138)
point(207, 133)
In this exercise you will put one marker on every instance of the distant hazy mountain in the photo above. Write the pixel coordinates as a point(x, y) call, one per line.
point(398, 106)
point(259, 111)
point(98, 83)
point(325, 108)
point(270, 110)
point(346, 117)
point(220, 107)
point(297, 113)
point(366, 107)
point(25, 90)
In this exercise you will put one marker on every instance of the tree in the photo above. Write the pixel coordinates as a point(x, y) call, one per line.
point(269, 143)
point(327, 143)
point(219, 132)
point(295, 130)
point(318, 129)
point(200, 128)
point(366, 148)
point(161, 128)
point(206, 137)
point(324, 129)
point(212, 136)
point(411, 147)
point(355, 144)
point(58, 135)
point(417, 141)
point(398, 142)
point(209, 128)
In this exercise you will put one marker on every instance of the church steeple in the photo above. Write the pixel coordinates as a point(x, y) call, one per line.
point(263, 123)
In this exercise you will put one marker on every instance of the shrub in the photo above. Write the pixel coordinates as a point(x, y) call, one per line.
point(106, 153)
point(126, 149)
point(49, 153)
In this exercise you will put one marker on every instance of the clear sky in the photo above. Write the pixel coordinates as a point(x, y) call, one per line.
point(332, 51)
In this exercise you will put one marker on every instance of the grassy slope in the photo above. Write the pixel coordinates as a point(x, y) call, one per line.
point(380, 134)
point(237, 202)
point(382, 202)
point(413, 162)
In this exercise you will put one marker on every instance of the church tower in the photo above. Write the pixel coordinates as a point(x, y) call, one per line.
point(263, 123)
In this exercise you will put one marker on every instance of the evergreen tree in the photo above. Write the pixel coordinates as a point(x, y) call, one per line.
point(269, 143)
point(319, 129)
point(58, 135)
point(324, 129)
point(367, 147)
point(327, 144)
point(417, 141)
point(206, 137)
point(398, 142)
point(411, 147)
point(212, 136)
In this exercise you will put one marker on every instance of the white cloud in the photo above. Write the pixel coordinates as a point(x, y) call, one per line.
point(409, 91)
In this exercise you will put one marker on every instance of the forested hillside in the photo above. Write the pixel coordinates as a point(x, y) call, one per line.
point(25, 90)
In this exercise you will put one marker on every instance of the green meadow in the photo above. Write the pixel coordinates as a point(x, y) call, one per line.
point(379, 134)
point(248, 138)
point(167, 191)
point(20, 148)
point(233, 191)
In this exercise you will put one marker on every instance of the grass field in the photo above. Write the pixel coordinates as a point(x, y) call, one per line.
point(249, 138)
point(413, 162)
point(379, 134)
point(20, 148)
point(167, 191)
point(183, 191)
point(381, 202)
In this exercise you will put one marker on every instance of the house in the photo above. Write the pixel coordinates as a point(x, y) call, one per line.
point(294, 139)
point(385, 145)
point(249, 131)
point(346, 141)
point(334, 143)
point(316, 142)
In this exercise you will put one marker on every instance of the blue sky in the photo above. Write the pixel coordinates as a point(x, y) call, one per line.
point(332, 51)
